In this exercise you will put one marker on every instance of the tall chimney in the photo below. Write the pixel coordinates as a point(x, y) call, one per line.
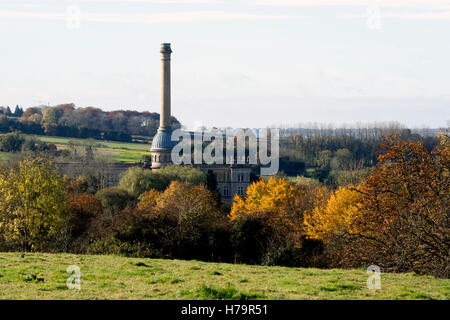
point(162, 143)
point(165, 86)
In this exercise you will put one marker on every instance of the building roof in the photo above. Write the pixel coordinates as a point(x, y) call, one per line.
point(163, 140)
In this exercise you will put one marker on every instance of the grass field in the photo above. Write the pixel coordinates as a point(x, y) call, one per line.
point(113, 277)
point(99, 143)
point(117, 151)
point(5, 156)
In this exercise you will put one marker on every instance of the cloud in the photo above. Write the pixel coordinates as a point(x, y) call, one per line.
point(157, 1)
point(444, 15)
point(424, 4)
point(429, 9)
point(433, 15)
point(170, 17)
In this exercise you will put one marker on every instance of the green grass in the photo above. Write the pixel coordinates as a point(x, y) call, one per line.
point(114, 277)
point(115, 151)
point(99, 143)
point(5, 156)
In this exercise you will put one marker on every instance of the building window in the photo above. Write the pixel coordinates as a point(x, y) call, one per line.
point(240, 190)
point(241, 177)
point(226, 191)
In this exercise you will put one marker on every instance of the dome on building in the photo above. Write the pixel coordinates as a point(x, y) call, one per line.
point(163, 140)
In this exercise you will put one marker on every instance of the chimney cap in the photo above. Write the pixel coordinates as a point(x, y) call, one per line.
point(165, 48)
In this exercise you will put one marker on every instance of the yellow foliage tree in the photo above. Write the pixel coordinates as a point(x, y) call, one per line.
point(280, 204)
point(149, 199)
point(275, 195)
point(337, 216)
point(32, 204)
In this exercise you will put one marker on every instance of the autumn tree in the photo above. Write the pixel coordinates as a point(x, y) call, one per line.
point(272, 215)
point(32, 205)
point(76, 186)
point(406, 199)
point(149, 199)
point(335, 222)
point(398, 217)
point(82, 210)
point(182, 221)
point(195, 210)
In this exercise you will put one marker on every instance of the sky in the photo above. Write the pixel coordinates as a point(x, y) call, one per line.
point(239, 63)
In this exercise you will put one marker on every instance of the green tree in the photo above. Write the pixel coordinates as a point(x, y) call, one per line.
point(211, 184)
point(113, 201)
point(18, 112)
point(4, 123)
point(49, 120)
point(324, 158)
point(32, 205)
point(137, 180)
point(342, 159)
point(12, 142)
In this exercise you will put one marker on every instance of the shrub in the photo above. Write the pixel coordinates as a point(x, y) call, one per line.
point(181, 222)
point(12, 142)
point(114, 199)
point(137, 180)
point(82, 209)
point(248, 239)
point(347, 177)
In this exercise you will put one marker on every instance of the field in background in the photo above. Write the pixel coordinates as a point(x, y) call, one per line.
point(117, 151)
point(114, 277)
point(5, 156)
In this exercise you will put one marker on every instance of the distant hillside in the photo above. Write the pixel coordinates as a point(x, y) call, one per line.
point(66, 120)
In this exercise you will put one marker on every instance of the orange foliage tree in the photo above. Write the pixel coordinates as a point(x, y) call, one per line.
point(398, 218)
point(149, 199)
point(82, 209)
point(190, 214)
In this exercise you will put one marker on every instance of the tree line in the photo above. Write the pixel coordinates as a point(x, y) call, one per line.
point(66, 120)
point(336, 155)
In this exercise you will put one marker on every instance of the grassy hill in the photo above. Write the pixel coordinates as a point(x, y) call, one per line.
point(116, 151)
point(113, 277)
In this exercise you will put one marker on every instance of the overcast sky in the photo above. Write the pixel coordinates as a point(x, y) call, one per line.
point(240, 63)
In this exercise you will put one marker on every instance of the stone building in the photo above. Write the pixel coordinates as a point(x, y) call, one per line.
point(231, 178)
point(107, 174)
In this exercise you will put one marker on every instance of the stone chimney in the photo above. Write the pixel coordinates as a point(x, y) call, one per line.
point(166, 51)
point(162, 144)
